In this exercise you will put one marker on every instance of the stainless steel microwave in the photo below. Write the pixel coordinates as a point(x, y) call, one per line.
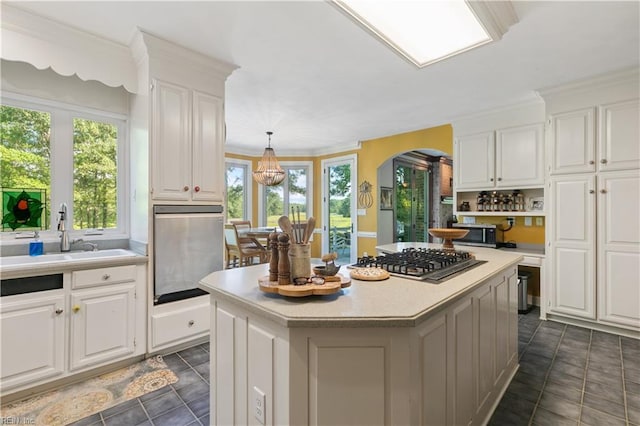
point(480, 234)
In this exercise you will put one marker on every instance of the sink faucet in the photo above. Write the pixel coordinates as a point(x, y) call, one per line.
point(65, 244)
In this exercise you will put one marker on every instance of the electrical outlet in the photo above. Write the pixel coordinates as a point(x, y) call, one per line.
point(527, 221)
point(539, 221)
point(259, 405)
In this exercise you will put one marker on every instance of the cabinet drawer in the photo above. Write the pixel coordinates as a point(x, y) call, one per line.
point(103, 276)
point(177, 325)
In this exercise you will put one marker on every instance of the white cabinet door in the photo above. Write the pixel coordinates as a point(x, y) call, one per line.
point(474, 158)
point(573, 202)
point(486, 341)
point(620, 136)
point(503, 336)
point(33, 339)
point(619, 248)
point(171, 143)
point(103, 324)
point(208, 150)
point(462, 378)
point(572, 142)
point(520, 157)
point(434, 360)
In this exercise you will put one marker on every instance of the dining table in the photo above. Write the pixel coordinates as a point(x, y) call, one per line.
point(260, 233)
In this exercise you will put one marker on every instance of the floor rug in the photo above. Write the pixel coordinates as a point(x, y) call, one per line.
point(74, 402)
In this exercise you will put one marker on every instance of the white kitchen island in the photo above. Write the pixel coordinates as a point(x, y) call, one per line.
point(394, 352)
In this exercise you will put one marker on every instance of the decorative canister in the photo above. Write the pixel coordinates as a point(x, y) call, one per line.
point(300, 259)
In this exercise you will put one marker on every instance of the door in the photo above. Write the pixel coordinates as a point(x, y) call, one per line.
point(412, 210)
point(520, 156)
point(572, 142)
point(619, 136)
point(208, 153)
point(573, 245)
point(32, 339)
point(170, 143)
point(618, 242)
point(339, 208)
point(474, 161)
point(102, 324)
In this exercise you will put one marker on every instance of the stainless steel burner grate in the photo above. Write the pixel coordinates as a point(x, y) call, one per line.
point(429, 265)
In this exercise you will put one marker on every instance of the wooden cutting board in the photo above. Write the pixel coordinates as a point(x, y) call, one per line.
point(331, 285)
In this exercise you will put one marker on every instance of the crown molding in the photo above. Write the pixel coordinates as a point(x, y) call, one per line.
point(284, 152)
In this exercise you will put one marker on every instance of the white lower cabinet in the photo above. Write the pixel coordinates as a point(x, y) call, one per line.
point(103, 324)
point(595, 247)
point(619, 248)
point(96, 318)
point(450, 369)
point(32, 335)
point(178, 322)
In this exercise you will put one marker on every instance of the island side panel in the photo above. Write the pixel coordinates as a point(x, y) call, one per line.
point(249, 358)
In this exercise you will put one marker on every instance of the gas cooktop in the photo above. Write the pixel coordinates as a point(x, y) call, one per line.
point(430, 265)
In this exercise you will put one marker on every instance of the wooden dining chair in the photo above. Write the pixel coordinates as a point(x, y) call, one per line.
point(241, 252)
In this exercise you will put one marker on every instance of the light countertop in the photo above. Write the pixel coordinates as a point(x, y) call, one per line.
point(396, 302)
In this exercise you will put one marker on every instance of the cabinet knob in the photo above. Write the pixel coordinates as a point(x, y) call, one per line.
point(499, 179)
point(592, 162)
point(191, 323)
point(106, 277)
point(603, 161)
point(76, 308)
point(186, 188)
point(491, 179)
point(59, 311)
point(603, 191)
point(197, 189)
point(592, 191)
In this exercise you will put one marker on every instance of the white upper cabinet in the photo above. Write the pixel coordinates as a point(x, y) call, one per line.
point(573, 142)
point(506, 158)
point(520, 157)
point(187, 147)
point(474, 161)
point(207, 147)
point(620, 136)
point(171, 146)
point(575, 148)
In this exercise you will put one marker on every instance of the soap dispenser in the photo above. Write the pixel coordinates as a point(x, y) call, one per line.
point(36, 247)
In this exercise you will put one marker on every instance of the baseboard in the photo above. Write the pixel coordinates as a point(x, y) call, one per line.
point(593, 325)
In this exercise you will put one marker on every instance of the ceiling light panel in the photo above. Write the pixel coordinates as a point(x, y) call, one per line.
point(424, 31)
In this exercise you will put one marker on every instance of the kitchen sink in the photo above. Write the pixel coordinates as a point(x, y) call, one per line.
point(99, 254)
point(11, 261)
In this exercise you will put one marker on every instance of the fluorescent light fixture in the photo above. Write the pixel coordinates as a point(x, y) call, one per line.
point(427, 31)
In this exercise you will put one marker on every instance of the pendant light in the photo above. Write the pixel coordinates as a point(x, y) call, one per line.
point(269, 172)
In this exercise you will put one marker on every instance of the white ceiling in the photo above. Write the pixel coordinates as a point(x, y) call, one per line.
point(321, 83)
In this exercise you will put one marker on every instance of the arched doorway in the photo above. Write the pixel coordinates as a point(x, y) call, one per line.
point(420, 184)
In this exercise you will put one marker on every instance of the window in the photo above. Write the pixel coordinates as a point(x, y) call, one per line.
point(238, 185)
point(69, 155)
point(295, 192)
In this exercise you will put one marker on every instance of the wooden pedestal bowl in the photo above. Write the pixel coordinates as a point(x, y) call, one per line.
point(448, 234)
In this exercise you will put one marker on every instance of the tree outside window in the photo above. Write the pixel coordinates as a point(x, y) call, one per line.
point(30, 153)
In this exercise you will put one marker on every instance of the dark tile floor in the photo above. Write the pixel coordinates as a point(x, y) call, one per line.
point(568, 376)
